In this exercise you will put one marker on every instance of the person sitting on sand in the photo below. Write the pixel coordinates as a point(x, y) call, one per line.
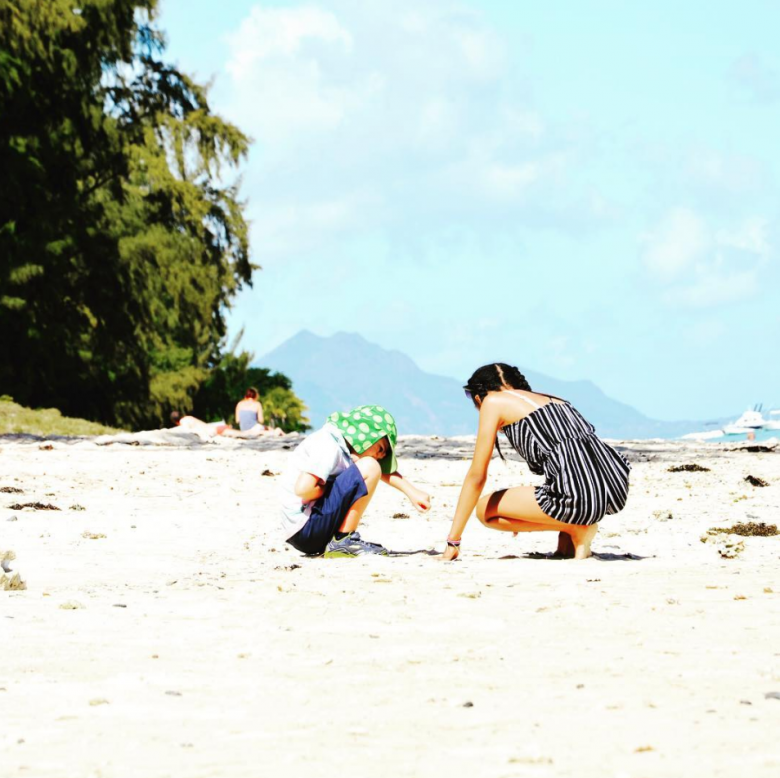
point(332, 477)
point(249, 412)
point(249, 417)
point(585, 479)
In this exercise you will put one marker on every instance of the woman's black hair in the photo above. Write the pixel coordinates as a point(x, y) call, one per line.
point(494, 378)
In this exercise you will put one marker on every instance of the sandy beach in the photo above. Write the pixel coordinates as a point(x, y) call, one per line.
point(166, 630)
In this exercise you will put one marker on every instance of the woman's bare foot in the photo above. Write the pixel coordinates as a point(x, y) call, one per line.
point(581, 537)
point(565, 548)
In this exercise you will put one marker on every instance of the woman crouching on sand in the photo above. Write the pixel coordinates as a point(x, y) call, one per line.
point(584, 478)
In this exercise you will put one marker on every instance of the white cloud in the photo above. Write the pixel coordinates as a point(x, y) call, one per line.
point(675, 244)
point(268, 33)
point(698, 266)
point(757, 78)
point(406, 113)
point(714, 287)
point(731, 174)
point(278, 70)
point(751, 236)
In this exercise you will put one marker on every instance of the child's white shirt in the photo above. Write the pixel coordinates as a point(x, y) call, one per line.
point(324, 454)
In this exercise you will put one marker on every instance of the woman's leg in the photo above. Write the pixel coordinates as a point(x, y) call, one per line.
point(516, 510)
point(371, 472)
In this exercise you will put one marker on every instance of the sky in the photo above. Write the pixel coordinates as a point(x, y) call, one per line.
point(590, 190)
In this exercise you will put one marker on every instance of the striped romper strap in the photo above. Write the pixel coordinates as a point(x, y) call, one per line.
point(533, 404)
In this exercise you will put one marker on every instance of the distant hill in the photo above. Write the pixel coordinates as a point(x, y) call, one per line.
point(345, 370)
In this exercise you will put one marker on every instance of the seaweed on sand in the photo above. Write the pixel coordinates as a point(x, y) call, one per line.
point(747, 529)
point(693, 468)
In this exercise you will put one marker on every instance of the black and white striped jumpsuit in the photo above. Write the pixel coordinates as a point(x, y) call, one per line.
point(584, 478)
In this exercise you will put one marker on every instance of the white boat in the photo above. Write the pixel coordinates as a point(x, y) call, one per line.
point(773, 424)
point(749, 420)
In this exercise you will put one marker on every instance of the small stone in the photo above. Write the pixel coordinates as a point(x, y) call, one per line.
point(468, 704)
point(772, 696)
point(71, 605)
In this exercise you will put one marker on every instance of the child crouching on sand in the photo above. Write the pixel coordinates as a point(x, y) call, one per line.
point(332, 477)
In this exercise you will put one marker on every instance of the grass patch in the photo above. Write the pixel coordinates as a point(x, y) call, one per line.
point(15, 418)
point(748, 529)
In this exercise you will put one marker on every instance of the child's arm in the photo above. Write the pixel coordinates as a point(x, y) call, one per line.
point(309, 488)
point(420, 499)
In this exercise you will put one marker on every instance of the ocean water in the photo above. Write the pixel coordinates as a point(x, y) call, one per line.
point(760, 435)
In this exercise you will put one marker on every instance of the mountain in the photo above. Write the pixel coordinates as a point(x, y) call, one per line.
point(345, 370)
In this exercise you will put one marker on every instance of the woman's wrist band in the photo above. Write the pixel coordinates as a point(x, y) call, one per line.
point(453, 543)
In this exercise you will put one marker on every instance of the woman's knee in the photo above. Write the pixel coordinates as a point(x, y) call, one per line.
point(487, 507)
point(482, 509)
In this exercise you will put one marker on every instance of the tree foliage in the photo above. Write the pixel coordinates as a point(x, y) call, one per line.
point(283, 409)
point(121, 244)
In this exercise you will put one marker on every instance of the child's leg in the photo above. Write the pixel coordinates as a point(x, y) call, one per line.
point(516, 510)
point(371, 472)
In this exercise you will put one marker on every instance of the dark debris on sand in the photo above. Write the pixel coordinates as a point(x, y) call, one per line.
point(755, 481)
point(692, 468)
point(748, 529)
point(11, 490)
point(38, 506)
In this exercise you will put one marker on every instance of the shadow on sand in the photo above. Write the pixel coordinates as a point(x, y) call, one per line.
point(601, 557)
point(425, 551)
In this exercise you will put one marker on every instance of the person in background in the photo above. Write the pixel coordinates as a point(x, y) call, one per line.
point(204, 429)
point(249, 417)
point(249, 412)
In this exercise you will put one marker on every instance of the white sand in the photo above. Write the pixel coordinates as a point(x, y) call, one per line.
point(201, 645)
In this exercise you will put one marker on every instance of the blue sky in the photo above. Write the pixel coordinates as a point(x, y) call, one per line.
point(589, 190)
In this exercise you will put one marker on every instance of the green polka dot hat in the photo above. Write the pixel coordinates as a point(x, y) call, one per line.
point(364, 426)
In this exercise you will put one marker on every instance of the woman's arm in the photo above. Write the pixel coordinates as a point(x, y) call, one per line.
point(420, 499)
point(490, 419)
point(260, 419)
point(308, 487)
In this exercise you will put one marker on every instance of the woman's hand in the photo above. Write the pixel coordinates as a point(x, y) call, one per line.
point(450, 553)
point(420, 500)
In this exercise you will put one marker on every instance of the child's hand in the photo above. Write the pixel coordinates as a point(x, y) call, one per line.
point(450, 553)
point(420, 500)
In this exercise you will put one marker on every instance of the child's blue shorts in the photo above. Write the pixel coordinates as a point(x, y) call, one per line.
point(329, 511)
